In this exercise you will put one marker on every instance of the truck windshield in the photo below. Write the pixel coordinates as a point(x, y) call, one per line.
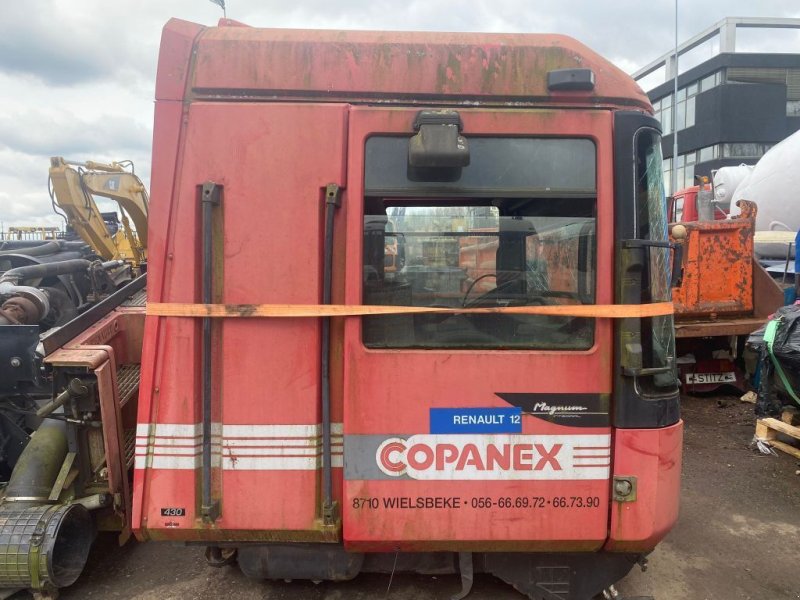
point(472, 253)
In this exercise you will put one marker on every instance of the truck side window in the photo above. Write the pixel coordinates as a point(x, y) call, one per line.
point(658, 340)
point(516, 228)
point(473, 256)
point(678, 210)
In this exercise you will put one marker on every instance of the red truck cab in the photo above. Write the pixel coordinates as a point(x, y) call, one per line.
point(683, 207)
point(517, 171)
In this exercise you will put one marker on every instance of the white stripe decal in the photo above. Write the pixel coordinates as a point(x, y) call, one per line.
point(278, 431)
point(174, 430)
point(294, 463)
point(237, 464)
point(281, 443)
point(276, 452)
point(604, 452)
point(164, 450)
point(236, 447)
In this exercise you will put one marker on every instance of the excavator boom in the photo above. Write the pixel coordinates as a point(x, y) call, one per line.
point(75, 184)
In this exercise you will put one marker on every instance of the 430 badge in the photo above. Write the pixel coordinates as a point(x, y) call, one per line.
point(171, 511)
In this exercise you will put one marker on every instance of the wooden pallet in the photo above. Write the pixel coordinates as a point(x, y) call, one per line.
point(768, 430)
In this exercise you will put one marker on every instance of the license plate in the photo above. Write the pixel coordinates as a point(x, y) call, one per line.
point(698, 378)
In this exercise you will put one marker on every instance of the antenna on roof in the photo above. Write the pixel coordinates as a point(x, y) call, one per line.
point(221, 4)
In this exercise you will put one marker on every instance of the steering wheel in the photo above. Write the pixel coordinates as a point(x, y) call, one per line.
point(539, 297)
point(472, 285)
point(493, 295)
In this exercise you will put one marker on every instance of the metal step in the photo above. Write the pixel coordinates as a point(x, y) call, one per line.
point(127, 382)
point(138, 299)
point(130, 446)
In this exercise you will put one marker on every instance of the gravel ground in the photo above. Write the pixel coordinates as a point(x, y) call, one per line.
point(736, 538)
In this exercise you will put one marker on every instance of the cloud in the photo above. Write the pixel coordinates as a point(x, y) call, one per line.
point(38, 133)
point(62, 44)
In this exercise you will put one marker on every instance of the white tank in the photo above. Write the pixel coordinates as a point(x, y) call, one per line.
point(726, 180)
point(774, 185)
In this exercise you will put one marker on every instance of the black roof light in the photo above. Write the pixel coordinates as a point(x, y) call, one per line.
point(570, 80)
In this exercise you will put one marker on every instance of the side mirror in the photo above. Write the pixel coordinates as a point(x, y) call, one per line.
point(676, 276)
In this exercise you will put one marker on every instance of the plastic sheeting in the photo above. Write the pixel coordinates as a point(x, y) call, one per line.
point(772, 392)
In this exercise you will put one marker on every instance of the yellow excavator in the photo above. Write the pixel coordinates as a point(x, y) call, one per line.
point(72, 188)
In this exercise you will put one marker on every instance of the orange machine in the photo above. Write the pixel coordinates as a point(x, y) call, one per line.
point(724, 294)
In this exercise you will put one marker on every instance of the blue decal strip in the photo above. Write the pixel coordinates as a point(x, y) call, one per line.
point(476, 420)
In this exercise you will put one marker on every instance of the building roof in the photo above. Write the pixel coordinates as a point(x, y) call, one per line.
point(736, 60)
point(725, 30)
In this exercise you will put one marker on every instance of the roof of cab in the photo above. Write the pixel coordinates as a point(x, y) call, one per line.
point(236, 61)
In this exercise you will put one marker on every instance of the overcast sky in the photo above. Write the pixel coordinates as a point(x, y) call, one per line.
point(77, 76)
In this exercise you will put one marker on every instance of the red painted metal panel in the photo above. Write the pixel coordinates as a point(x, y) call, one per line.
point(273, 162)
point(174, 60)
point(114, 440)
point(653, 456)
point(413, 66)
point(102, 349)
point(391, 392)
point(159, 334)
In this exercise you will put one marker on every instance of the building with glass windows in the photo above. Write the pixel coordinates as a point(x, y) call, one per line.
point(730, 108)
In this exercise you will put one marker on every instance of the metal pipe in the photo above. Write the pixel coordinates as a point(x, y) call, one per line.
point(51, 247)
point(20, 258)
point(10, 279)
point(11, 244)
point(675, 112)
point(37, 468)
point(40, 271)
point(42, 545)
point(17, 244)
point(111, 264)
point(94, 501)
point(332, 200)
point(209, 199)
point(35, 295)
point(75, 389)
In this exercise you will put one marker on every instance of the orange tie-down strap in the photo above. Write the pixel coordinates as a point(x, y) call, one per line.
point(600, 311)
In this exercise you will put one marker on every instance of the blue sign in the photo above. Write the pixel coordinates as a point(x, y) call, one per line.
point(476, 420)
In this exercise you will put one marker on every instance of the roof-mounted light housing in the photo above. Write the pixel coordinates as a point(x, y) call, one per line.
point(570, 80)
point(438, 151)
point(438, 142)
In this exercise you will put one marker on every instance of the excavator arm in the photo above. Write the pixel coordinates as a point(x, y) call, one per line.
point(75, 184)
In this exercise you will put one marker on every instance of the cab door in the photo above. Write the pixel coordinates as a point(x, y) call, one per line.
point(486, 431)
point(267, 232)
